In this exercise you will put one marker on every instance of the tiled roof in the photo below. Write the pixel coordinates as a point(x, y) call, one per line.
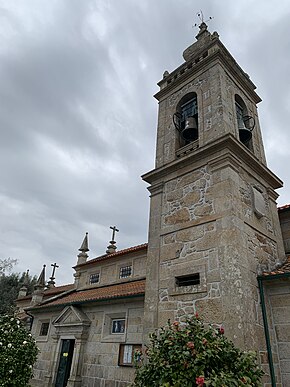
point(284, 269)
point(133, 288)
point(116, 254)
point(58, 289)
point(51, 292)
point(285, 207)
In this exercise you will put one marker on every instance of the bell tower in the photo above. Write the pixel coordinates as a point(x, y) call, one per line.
point(213, 218)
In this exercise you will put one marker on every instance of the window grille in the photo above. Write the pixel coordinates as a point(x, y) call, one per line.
point(188, 280)
point(94, 278)
point(125, 271)
point(189, 109)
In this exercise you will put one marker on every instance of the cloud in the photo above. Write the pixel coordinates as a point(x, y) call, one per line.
point(78, 120)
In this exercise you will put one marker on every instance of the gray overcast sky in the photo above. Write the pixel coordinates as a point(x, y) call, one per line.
point(78, 120)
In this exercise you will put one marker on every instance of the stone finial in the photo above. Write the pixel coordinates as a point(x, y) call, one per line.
point(40, 284)
point(165, 74)
point(23, 290)
point(203, 40)
point(202, 30)
point(37, 295)
point(83, 256)
point(112, 248)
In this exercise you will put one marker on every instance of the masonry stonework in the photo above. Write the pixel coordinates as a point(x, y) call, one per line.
point(215, 244)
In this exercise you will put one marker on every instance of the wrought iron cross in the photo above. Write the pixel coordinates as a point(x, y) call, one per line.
point(201, 18)
point(114, 228)
point(54, 265)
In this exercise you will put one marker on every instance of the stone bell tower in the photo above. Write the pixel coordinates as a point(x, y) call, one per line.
point(213, 218)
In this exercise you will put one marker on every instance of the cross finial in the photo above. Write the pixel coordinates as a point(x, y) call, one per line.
point(114, 228)
point(112, 248)
point(51, 283)
point(55, 266)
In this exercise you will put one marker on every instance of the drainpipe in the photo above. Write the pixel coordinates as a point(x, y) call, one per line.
point(266, 330)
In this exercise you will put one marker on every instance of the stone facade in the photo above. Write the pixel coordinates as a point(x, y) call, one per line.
point(213, 202)
point(215, 243)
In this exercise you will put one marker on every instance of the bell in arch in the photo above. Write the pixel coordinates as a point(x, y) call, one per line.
point(190, 131)
point(245, 132)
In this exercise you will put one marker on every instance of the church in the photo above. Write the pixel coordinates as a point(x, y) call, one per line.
point(217, 244)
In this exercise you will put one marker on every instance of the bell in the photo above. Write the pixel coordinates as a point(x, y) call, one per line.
point(245, 134)
point(190, 132)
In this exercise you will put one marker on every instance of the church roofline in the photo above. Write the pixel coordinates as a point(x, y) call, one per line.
point(102, 293)
point(284, 208)
point(128, 250)
point(280, 272)
point(50, 291)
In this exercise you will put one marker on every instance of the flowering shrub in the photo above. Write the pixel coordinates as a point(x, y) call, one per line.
point(191, 355)
point(18, 353)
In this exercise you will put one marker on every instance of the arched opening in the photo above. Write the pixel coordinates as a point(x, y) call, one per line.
point(245, 122)
point(186, 119)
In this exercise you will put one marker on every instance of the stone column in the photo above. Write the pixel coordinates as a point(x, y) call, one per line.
point(75, 379)
point(49, 377)
point(152, 275)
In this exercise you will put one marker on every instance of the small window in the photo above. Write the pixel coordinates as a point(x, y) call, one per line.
point(94, 278)
point(188, 280)
point(118, 326)
point(44, 329)
point(129, 354)
point(125, 271)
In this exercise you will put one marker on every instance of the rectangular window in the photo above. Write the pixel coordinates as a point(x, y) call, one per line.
point(125, 271)
point(94, 278)
point(188, 280)
point(118, 326)
point(128, 353)
point(44, 329)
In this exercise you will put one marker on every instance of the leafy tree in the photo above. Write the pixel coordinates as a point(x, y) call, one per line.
point(18, 353)
point(9, 288)
point(6, 264)
point(190, 354)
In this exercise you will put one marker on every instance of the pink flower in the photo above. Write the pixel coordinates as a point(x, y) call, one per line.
point(204, 341)
point(200, 381)
point(222, 330)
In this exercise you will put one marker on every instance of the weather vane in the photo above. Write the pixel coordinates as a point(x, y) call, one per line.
point(201, 18)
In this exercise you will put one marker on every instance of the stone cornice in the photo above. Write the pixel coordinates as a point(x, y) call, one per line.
point(217, 52)
point(226, 149)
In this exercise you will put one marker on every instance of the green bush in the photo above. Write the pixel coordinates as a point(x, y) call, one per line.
point(189, 354)
point(18, 352)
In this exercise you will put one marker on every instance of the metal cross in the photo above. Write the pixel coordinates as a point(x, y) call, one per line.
point(201, 18)
point(114, 228)
point(54, 265)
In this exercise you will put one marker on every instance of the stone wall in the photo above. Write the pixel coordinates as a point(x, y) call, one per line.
point(284, 216)
point(109, 270)
point(278, 312)
point(96, 353)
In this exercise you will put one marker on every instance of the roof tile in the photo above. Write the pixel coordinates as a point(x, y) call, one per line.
point(51, 291)
point(285, 207)
point(284, 269)
point(132, 288)
point(116, 254)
